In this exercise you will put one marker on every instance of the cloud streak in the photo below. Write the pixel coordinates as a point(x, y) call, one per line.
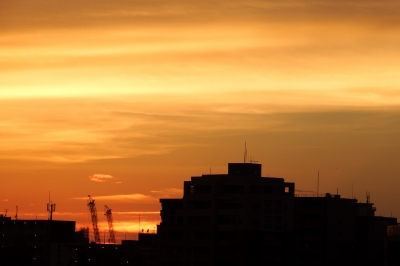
point(100, 178)
point(121, 197)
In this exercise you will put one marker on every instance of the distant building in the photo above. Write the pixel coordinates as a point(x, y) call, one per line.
point(393, 245)
point(325, 231)
point(28, 242)
point(239, 218)
point(139, 252)
point(332, 230)
point(372, 235)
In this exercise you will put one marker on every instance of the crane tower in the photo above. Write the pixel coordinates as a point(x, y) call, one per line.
point(108, 214)
point(93, 214)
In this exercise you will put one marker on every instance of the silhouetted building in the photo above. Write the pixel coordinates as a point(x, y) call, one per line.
point(393, 245)
point(239, 218)
point(139, 252)
point(325, 230)
point(332, 230)
point(68, 254)
point(28, 242)
point(372, 235)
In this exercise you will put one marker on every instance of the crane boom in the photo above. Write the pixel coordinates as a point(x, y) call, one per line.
point(93, 214)
point(108, 214)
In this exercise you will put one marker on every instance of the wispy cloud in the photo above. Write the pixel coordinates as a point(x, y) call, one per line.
point(5, 200)
point(168, 192)
point(120, 197)
point(100, 178)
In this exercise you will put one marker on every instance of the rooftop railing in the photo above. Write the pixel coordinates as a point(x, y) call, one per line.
point(313, 195)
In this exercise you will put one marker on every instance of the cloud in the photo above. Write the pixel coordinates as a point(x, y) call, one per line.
point(168, 192)
point(100, 178)
point(5, 200)
point(120, 197)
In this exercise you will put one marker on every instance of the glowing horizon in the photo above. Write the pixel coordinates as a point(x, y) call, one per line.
point(125, 100)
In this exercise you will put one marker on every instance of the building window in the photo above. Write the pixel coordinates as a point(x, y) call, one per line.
point(227, 235)
point(202, 189)
point(228, 220)
point(256, 189)
point(268, 190)
point(198, 220)
point(198, 204)
point(229, 204)
point(234, 189)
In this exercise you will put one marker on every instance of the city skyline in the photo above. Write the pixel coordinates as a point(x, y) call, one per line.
point(125, 100)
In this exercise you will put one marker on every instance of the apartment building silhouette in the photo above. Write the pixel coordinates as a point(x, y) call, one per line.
point(239, 218)
point(242, 218)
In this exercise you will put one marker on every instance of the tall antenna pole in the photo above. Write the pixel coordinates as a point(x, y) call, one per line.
point(352, 191)
point(245, 152)
point(318, 184)
point(16, 212)
point(51, 208)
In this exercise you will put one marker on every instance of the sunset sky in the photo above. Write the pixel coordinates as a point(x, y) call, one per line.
point(124, 100)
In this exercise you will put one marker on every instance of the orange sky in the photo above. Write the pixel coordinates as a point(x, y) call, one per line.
point(149, 93)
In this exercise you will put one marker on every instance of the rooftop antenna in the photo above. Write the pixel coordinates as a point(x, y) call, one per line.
point(252, 160)
point(5, 212)
point(352, 194)
point(245, 152)
point(318, 184)
point(368, 197)
point(16, 212)
point(51, 208)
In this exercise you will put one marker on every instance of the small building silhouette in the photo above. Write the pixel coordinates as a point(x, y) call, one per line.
point(331, 230)
point(28, 242)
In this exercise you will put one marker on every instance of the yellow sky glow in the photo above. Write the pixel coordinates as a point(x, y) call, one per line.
point(149, 93)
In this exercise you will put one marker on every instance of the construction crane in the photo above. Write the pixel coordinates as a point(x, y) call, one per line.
point(108, 214)
point(93, 214)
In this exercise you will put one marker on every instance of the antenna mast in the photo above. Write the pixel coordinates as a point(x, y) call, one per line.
point(16, 212)
point(93, 214)
point(50, 208)
point(245, 152)
point(109, 216)
point(318, 184)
